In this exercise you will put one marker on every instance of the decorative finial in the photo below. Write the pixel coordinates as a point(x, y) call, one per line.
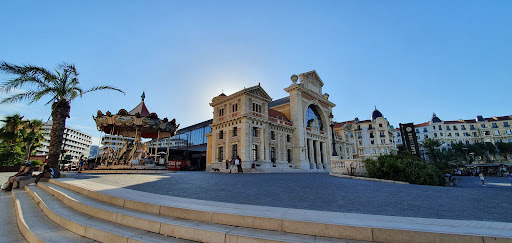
point(294, 78)
point(143, 96)
point(375, 107)
point(433, 114)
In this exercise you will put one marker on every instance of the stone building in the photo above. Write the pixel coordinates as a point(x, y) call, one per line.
point(368, 138)
point(289, 133)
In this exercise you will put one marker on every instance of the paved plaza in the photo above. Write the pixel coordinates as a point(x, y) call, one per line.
point(319, 191)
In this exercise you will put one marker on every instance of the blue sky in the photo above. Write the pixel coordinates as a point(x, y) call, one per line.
point(408, 58)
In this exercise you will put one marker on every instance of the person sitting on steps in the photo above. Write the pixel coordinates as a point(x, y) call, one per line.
point(48, 173)
point(24, 173)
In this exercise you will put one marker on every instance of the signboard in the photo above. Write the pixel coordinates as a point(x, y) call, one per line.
point(409, 138)
point(174, 164)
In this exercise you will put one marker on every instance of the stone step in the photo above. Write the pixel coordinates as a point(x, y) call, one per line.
point(182, 228)
point(88, 226)
point(364, 227)
point(8, 226)
point(36, 226)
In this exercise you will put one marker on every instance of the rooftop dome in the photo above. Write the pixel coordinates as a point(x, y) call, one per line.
point(435, 118)
point(376, 113)
point(222, 94)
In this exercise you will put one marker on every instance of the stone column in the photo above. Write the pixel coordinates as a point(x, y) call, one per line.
point(311, 154)
point(318, 156)
point(297, 118)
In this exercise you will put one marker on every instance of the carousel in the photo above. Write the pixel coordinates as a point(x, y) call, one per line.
point(139, 123)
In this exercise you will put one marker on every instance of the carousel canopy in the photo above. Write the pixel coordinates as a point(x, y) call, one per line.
point(138, 122)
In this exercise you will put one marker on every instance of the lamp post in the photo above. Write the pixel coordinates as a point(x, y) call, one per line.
point(331, 119)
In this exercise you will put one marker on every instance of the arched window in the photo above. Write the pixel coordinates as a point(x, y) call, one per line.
point(312, 115)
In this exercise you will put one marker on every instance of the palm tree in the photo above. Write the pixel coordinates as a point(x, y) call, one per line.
point(432, 147)
point(62, 86)
point(10, 136)
point(31, 136)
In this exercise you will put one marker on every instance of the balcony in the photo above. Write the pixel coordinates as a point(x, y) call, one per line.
point(472, 128)
point(506, 125)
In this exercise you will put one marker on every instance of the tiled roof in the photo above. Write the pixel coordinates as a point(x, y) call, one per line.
point(278, 115)
point(422, 124)
point(279, 102)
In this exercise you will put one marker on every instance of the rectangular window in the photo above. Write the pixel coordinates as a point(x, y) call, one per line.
point(221, 154)
point(289, 155)
point(417, 130)
point(426, 136)
point(272, 135)
point(288, 138)
point(487, 133)
point(482, 125)
point(462, 127)
point(255, 152)
point(235, 107)
point(440, 127)
point(383, 141)
point(221, 112)
point(455, 127)
point(382, 135)
point(371, 135)
point(372, 142)
point(496, 132)
point(471, 127)
point(273, 154)
point(255, 132)
point(234, 151)
point(256, 107)
point(505, 124)
point(448, 128)
point(235, 131)
point(380, 124)
point(425, 129)
point(221, 134)
point(466, 134)
point(494, 125)
point(509, 131)
point(435, 135)
point(433, 127)
point(456, 134)
point(474, 134)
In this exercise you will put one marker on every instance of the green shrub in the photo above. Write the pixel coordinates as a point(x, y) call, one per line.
point(36, 162)
point(404, 167)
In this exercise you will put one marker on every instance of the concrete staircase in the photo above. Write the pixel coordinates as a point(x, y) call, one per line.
point(59, 212)
point(68, 210)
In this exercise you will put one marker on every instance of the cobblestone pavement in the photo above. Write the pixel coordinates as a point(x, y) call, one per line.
point(318, 191)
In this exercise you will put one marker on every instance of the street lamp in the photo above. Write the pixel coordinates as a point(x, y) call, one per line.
point(331, 119)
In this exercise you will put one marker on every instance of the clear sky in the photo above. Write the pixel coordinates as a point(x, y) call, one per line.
point(408, 58)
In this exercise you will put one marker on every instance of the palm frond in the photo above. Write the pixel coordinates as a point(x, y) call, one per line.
point(19, 97)
point(93, 89)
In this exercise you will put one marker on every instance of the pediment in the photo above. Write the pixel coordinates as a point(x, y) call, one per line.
point(312, 78)
point(258, 91)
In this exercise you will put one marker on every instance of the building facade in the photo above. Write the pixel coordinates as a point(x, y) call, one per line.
point(111, 143)
point(470, 131)
point(368, 138)
point(76, 143)
point(289, 133)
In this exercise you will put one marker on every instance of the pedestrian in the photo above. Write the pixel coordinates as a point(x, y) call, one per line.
point(81, 164)
point(233, 166)
point(227, 164)
point(482, 178)
point(238, 163)
point(253, 167)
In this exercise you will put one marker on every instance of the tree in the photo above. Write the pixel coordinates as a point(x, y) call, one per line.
point(491, 149)
point(62, 86)
point(31, 136)
point(504, 148)
point(432, 149)
point(11, 152)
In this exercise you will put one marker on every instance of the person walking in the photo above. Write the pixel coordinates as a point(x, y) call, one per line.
point(482, 178)
point(238, 163)
point(81, 164)
point(233, 166)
